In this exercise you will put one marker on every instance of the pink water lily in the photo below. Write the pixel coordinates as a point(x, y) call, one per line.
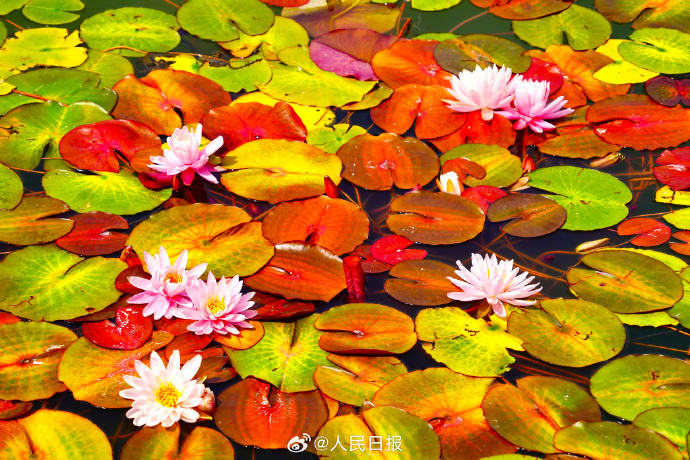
point(497, 282)
point(168, 285)
point(483, 89)
point(531, 107)
point(218, 306)
point(184, 157)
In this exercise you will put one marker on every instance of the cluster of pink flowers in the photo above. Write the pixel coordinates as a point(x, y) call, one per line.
point(173, 290)
point(497, 90)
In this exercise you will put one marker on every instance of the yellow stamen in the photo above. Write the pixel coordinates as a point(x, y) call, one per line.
point(173, 278)
point(215, 305)
point(167, 395)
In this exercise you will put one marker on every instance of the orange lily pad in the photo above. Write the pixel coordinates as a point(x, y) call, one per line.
point(532, 215)
point(421, 282)
point(247, 338)
point(650, 232)
point(498, 131)
point(410, 62)
point(159, 443)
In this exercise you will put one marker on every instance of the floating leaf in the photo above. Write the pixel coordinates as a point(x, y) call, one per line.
point(11, 410)
point(11, 188)
point(42, 47)
point(670, 13)
point(469, 51)
point(532, 215)
point(410, 62)
point(219, 20)
point(94, 374)
point(10, 5)
point(668, 91)
point(626, 282)
point(591, 198)
point(433, 5)
point(421, 282)
point(247, 338)
point(331, 139)
point(540, 70)
point(46, 283)
point(650, 232)
point(569, 332)
point(654, 319)
point(334, 224)
point(312, 117)
point(143, 29)
point(502, 168)
point(620, 71)
point(347, 14)
point(284, 33)
point(222, 236)
point(366, 328)
point(52, 11)
point(378, 162)
point(659, 50)
point(681, 248)
point(498, 131)
point(301, 271)
point(29, 354)
point(674, 172)
point(276, 170)
point(26, 224)
point(286, 356)
point(110, 67)
point(457, 340)
point(391, 250)
point(120, 193)
point(523, 9)
point(154, 443)
point(576, 139)
point(252, 412)
point(671, 422)
point(483, 196)
point(435, 218)
point(131, 331)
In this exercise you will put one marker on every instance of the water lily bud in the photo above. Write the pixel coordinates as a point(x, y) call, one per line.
point(450, 183)
point(208, 401)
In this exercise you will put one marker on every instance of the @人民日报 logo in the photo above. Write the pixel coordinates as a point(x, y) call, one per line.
point(299, 443)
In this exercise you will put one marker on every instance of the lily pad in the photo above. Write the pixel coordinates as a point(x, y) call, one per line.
point(659, 50)
point(52, 11)
point(320, 18)
point(466, 345)
point(671, 422)
point(620, 71)
point(469, 51)
point(109, 66)
point(532, 215)
point(11, 188)
point(29, 357)
point(591, 198)
point(42, 47)
point(331, 139)
point(25, 224)
point(569, 332)
point(502, 168)
point(523, 9)
point(47, 283)
point(410, 62)
point(222, 236)
point(219, 20)
point(284, 33)
point(421, 282)
point(155, 443)
point(647, 13)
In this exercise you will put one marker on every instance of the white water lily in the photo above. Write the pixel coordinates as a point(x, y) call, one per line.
point(497, 282)
point(449, 183)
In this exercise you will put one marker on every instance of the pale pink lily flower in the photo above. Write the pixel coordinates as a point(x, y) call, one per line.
point(168, 285)
point(164, 395)
point(218, 306)
point(449, 183)
point(184, 157)
point(531, 107)
point(483, 89)
point(496, 282)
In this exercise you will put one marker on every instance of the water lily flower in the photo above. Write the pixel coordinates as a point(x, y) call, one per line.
point(218, 307)
point(531, 107)
point(184, 157)
point(449, 183)
point(168, 285)
point(164, 395)
point(496, 282)
point(483, 89)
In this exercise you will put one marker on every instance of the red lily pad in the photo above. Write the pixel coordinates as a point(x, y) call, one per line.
point(540, 70)
point(650, 232)
point(90, 235)
point(282, 309)
point(421, 104)
point(354, 277)
point(152, 100)
point(532, 215)
point(94, 146)
point(157, 442)
point(498, 131)
point(668, 91)
point(348, 14)
point(681, 248)
point(188, 345)
point(334, 224)
point(130, 332)
point(370, 264)
point(122, 283)
point(410, 62)
point(8, 318)
point(174, 326)
point(366, 328)
point(674, 169)
point(435, 218)
point(244, 122)
point(421, 282)
point(378, 162)
point(523, 9)
point(301, 271)
point(14, 409)
point(483, 195)
point(391, 250)
point(348, 52)
point(636, 121)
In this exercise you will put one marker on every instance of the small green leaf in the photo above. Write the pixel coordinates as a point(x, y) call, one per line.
point(433, 5)
point(330, 139)
point(246, 78)
point(284, 33)
point(42, 47)
point(52, 11)
point(659, 50)
point(654, 319)
point(110, 67)
point(219, 19)
point(11, 188)
point(10, 5)
point(620, 71)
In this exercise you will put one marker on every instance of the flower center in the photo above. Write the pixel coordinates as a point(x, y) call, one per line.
point(215, 305)
point(167, 395)
point(173, 278)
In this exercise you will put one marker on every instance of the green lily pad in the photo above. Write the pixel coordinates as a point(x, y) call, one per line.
point(671, 422)
point(53, 434)
point(433, 5)
point(117, 193)
point(27, 130)
point(63, 85)
point(47, 283)
point(29, 357)
point(94, 374)
point(591, 198)
point(296, 78)
point(633, 384)
point(25, 224)
point(222, 236)
point(10, 5)
point(659, 50)
point(530, 414)
point(626, 282)
point(11, 188)
point(284, 33)
point(42, 47)
point(620, 71)
point(52, 11)
point(234, 80)
point(468, 51)
point(674, 14)
point(286, 356)
point(110, 67)
point(502, 168)
point(679, 218)
point(139, 28)
point(653, 319)
point(584, 27)
point(154, 443)
point(331, 139)
point(3, 33)
point(569, 332)
point(613, 441)
point(466, 345)
point(219, 19)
